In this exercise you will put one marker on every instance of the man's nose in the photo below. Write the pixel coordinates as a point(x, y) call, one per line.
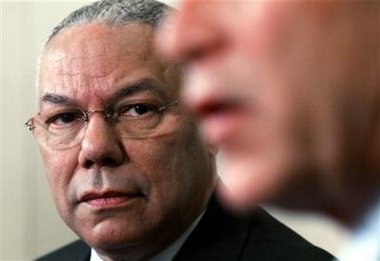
point(100, 146)
point(192, 33)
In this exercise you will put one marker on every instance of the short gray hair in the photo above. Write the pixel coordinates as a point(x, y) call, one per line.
point(115, 13)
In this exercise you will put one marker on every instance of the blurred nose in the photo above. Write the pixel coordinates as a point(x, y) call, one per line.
point(191, 34)
point(101, 146)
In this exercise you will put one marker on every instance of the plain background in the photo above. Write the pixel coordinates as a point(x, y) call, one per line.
point(29, 223)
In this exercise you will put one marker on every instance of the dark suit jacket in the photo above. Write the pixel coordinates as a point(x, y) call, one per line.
point(221, 236)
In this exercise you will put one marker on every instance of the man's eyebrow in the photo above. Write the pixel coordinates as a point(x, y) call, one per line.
point(144, 85)
point(55, 98)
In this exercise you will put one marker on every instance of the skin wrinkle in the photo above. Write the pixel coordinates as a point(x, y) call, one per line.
point(89, 68)
point(139, 87)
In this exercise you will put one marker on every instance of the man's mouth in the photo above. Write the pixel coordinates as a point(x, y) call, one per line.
point(219, 121)
point(108, 199)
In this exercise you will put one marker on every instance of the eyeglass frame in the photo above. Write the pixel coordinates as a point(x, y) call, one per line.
point(107, 114)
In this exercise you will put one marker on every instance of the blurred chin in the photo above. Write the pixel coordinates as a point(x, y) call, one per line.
point(243, 186)
point(247, 183)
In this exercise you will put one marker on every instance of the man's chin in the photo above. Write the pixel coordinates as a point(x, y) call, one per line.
point(247, 183)
point(242, 190)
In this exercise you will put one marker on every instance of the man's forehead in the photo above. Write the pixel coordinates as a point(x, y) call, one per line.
point(91, 45)
point(97, 50)
point(97, 55)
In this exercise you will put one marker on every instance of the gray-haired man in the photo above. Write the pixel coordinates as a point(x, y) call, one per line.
point(127, 169)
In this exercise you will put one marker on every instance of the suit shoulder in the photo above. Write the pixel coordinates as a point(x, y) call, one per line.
point(271, 237)
point(77, 250)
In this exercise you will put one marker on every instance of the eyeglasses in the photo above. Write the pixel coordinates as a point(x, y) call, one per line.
point(66, 127)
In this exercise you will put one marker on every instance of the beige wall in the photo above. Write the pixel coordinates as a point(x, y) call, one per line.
point(29, 224)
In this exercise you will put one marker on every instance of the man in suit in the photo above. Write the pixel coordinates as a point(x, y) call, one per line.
point(223, 236)
point(127, 168)
point(290, 90)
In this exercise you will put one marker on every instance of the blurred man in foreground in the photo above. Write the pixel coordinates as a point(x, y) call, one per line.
point(290, 90)
point(127, 168)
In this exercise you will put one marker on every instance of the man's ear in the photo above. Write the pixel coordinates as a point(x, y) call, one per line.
point(213, 148)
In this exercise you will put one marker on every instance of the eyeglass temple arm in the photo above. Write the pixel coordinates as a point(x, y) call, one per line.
point(165, 107)
point(30, 125)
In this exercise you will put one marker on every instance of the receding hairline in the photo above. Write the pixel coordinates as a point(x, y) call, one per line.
point(115, 13)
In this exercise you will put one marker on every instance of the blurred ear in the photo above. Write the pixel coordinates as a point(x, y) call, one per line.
point(213, 148)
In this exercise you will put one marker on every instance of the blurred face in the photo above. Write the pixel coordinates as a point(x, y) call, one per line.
point(121, 195)
point(289, 89)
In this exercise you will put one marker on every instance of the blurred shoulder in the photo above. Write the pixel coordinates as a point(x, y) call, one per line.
point(269, 237)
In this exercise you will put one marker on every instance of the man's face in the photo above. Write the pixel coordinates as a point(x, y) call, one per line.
point(121, 195)
point(287, 88)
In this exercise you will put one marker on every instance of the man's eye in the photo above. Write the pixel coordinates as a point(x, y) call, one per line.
point(62, 119)
point(136, 110)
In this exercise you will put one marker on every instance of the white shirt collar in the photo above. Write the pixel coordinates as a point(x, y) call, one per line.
point(94, 256)
point(168, 253)
point(365, 245)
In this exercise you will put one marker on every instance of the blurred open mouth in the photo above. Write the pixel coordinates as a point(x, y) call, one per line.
point(221, 121)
